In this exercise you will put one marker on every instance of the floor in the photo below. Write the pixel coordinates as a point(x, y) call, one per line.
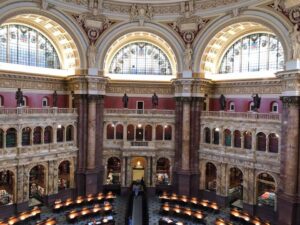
point(120, 208)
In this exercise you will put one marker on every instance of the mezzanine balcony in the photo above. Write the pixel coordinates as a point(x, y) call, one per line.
point(142, 112)
point(30, 111)
point(247, 116)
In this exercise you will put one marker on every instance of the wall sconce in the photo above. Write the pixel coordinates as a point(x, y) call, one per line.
point(59, 126)
point(217, 129)
point(139, 125)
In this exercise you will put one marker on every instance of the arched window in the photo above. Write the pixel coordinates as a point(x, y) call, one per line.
point(1, 138)
point(231, 106)
point(60, 134)
point(113, 170)
point(266, 188)
point(159, 133)
point(247, 140)
point(216, 136)
point(11, 138)
point(26, 133)
point(163, 171)
point(37, 136)
point(130, 132)
point(148, 133)
point(227, 138)
point(274, 107)
point(237, 139)
point(1, 99)
point(7, 186)
point(168, 132)
point(207, 135)
point(45, 102)
point(119, 132)
point(252, 53)
point(140, 58)
point(139, 132)
point(70, 133)
point(210, 177)
point(64, 175)
point(48, 135)
point(261, 142)
point(23, 45)
point(110, 131)
point(251, 106)
point(273, 143)
point(25, 102)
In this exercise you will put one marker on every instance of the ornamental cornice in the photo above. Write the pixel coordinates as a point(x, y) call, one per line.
point(272, 86)
point(172, 8)
point(92, 85)
point(139, 88)
point(12, 81)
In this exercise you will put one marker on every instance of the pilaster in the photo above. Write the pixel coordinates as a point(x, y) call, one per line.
point(289, 189)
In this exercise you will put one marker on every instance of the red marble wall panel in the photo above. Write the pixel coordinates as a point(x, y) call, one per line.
point(34, 100)
point(116, 102)
point(242, 104)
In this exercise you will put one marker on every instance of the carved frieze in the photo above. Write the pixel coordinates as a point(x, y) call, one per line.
point(141, 13)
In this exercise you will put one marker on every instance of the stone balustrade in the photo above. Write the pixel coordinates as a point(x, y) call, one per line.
point(27, 110)
point(140, 111)
point(119, 144)
point(242, 115)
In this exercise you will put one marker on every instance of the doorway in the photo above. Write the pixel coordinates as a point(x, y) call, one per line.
point(138, 168)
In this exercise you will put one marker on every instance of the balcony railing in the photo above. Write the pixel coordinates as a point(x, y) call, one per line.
point(25, 110)
point(242, 115)
point(140, 111)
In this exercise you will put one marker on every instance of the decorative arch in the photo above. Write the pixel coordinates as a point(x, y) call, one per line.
point(61, 29)
point(163, 166)
point(266, 188)
point(210, 176)
point(64, 172)
point(225, 30)
point(123, 33)
point(113, 170)
point(7, 187)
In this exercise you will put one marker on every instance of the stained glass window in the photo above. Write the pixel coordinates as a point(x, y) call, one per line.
point(252, 53)
point(140, 58)
point(23, 45)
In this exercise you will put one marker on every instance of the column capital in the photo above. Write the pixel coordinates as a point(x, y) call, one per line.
point(290, 101)
point(290, 82)
point(192, 87)
point(91, 85)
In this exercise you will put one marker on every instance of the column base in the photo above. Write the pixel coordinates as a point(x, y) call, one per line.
point(63, 195)
point(194, 183)
point(222, 201)
point(249, 208)
point(288, 210)
point(89, 182)
point(183, 183)
point(209, 195)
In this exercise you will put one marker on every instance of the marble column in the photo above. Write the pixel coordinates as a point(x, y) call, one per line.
point(289, 190)
point(91, 151)
point(80, 102)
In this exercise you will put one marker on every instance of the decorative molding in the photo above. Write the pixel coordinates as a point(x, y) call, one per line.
point(271, 86)
point(93, 24)
point(141, 13)
point(188, 28)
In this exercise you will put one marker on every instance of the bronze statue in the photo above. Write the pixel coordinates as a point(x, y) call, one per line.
point(154, 100)
point(125, 101)
point(222, 101)
point(54, 99)
point(19, 97)
point(256, 101)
